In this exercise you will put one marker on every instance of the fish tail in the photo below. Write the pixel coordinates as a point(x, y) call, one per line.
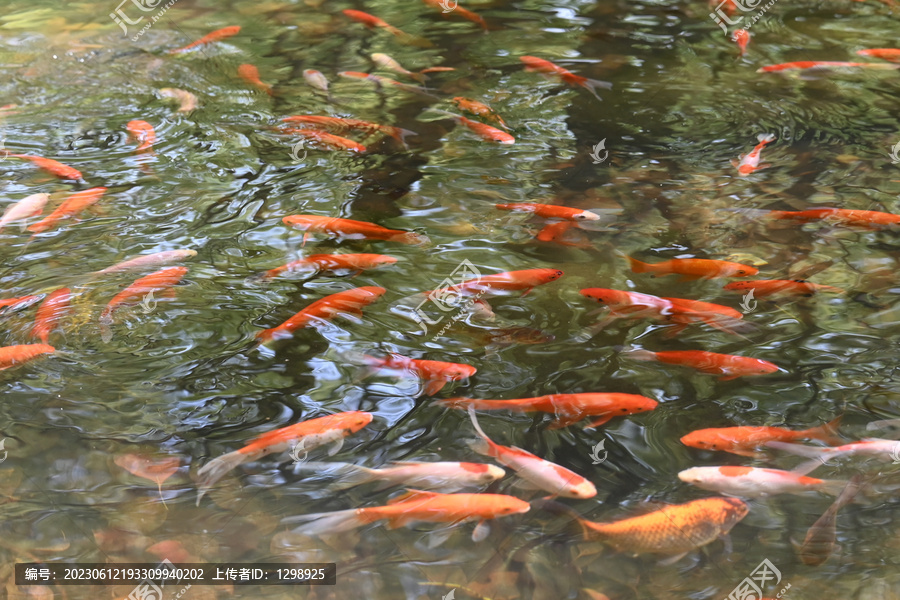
point(638, 353)
point(458, 402)
point(833, 487)
point(400, 135)
point(329, 522)
point(352, 476)
point(638, 266)
point(819, 454)
point(412, 238)
point(827, 432)
point(215, 469)
point(483, 444)
point(592, 85)
point(105, 329)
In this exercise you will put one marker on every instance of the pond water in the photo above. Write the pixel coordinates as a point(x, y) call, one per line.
point(180, 376)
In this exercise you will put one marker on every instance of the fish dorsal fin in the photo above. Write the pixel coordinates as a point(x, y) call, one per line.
point(413, 495)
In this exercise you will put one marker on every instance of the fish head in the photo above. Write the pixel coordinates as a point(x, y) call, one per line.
point(351, 422)
point(587, 215)
point(459, 371)
point(583, 490)
point(745, 271)
point(508, 505)
point(695, 476)
point(485, 474)
point(704, 439)
point(764, 367)
point(384, 260)
point(637, 404)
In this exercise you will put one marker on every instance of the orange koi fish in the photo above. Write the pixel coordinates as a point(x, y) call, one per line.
point(143, 133)
point(479, 109)
point(350, 229)
point(742, 37)
point(745, 441)
point(327, 140)
point(11, 356)
point(436, 373)
point(250, 74)
point(891, 54)
point(49, 313)
point(556, 232)
point(341, 124)
point(510, 281)
point(215, 36)
point(551, 211)
point(371, 21)
point(868, 219)
point(448, 476)
point(30, 206)
point(310, 434)
point(675, 529)
point(750, 163)
point(543, 474)
point(763, 288)
point(728, 366)
point(694, 268)
point(752, 482)
point(415, 506)
point(11, 305)
point(348, 302)
point(457, 10)
point(149, 260)
point(486, 132)
point(51, 166)
point(332, 262)
point(568, 408)
point(535, 64)
point(822, 64)
point(70, 207)
point(139, 290)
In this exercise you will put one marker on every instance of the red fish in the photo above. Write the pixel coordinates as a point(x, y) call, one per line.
point(143, 133)
point(11, 356)
point(479, 109)
point(371, 21)
point(51, 166)
point(891, 54)
point(347, 302)
point(868, 219)
point(745, 441)
point(568, 408)
point(436, 373)
point(350, 229)
point(822, 64)
point(511, 281)
point(327, 140)
point(310, 434)
point(486, 132)
point(742, 38)
point(750, 163)
point(443, 5)
point(333, 262)
point(533, 63)
point(550, 211)
point(49, 313)
point(685, 312)
point(694, 268)
point(728, 366)
point(781, 287)
point(342, 125)
point(139, 290)
point(250, 74)
point(215, 36)
point(70, 206)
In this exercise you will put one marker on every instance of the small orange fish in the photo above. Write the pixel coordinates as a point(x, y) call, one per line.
point(533, 63)
point(822, 64)
point(342, 124)
point(550, 211)
point(333, 262)
point(568, 408)
point(543, 474)
point(745, 441)
point(763, 288)
point(250, 74)
point(486, 132)
point(347, 302)
point(443, 5)
point(741, 37)
point(686, 312)
point(414, 506)
point(436, 373)
point(674, 530)
point(728, 366)
point(479, 109)
point(350, 229)
point(143, 132)
point(694, 268)
point(868, 219)
point(49, 313)
point(891, 54)
point(327, 140)
point(557, 233)
point(750, 163)
point(70, 206)
point(310, 434)
point(510, 281)
point(51, 166)
point(215, 36)
point(371, 21)
point(155, 282)
point(752, 482)
point(11, 356)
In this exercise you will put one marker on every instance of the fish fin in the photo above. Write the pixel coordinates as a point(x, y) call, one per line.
point(799, 449)
point(591, 331)
point(565, 420)
point(305, 237)
point(833, 487)
point(675, 331)
point(328, 522)
point(598, 422)
point(352, 476)
point(638, 354)
point(728, 377)
point(809, 466)
point(434, 386)
point(481, 532)
point(412, 238)
point(437, 537)
point(336, 447)
point(735, 163)
point(215, 469)
point(528, 291)
point(480, 446)
point(412, 495)
point(763, 166)
point(671, 560)
point(827, 432)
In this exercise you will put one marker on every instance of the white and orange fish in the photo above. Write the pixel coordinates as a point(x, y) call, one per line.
point(750, 163)
point(435, 373)
point(752, 482)
point(442, 476)
point(30, 206)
